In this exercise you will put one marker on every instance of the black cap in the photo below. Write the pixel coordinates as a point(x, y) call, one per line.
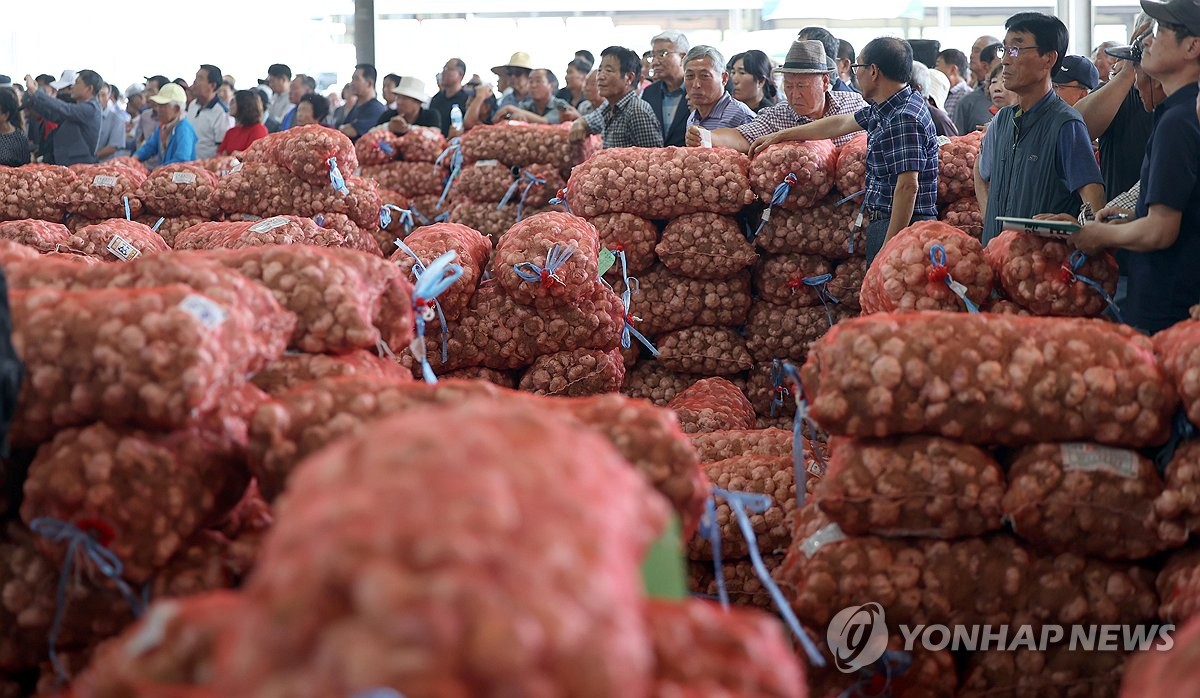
point(1185, 12)
point(1077, 69)
point(1131, 53)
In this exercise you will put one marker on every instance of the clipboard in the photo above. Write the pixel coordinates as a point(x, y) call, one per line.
point(1058, 230)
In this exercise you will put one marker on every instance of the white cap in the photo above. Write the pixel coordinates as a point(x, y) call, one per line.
point(136, 88)
point(939, 88)
point(65, 80)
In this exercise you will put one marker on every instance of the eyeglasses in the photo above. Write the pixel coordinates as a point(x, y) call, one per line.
point(1015, 51)
point(1069, 87)
point(663, 53)
point(856, 66)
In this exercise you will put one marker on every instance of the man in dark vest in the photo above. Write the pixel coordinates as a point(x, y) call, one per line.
point(1037, 156)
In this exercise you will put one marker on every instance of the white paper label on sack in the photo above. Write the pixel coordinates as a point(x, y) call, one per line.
point(943, 140)
point(830, 533)
point(236, 166)
point(268, 224)
point(487, 163)
point(121, 248)
point(705, 137)
point(204, 310)
point(1093, 458)
point(104, 181)
point(816, 469)
point(429, 133)
point(154, 628)
point(183, 177)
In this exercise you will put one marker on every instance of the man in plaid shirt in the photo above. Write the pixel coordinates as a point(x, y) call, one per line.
point(902, 147)
point(806, 84)
point(625, 120)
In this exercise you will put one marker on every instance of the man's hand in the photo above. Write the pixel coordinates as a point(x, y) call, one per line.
point(579, 131)
point(763, 142)
point(1064, 217)
point(505, 112)
point(568, 113)
point(398, 125)
point(349, 130)
point(30, 84)
point(692, 138)
point(1091, 238)
point(1119, 215)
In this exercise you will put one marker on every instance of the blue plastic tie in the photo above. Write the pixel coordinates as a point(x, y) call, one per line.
point(406, 217)
point(335, 177)
point(1071, 267)
point(319, 219)
point(423, 218)
point(892, 665)
point(711, 531)
point(803, 427)
point(560, 199)
point(418, 268)
point(739, 503)
point(844, 199)
point(454, 152)
point(102, 560)
point(819, 283)
point(530, 181)
point(127, 216)
point(1181, 430)
point(386, 147)
point(555, 258)
point(442, 217)
point(158, 224)
point(432, 282)
point(777, 199)
point(629, 329)
point(778, 390)
point(937, 257)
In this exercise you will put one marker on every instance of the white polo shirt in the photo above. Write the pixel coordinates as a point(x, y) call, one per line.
point(210, 123)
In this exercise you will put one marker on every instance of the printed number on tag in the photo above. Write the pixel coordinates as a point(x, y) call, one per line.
point(268, 224)
point(183, 177)
point(203, 310)
point(1090, 457)
point(122, 249)
point(104, 181)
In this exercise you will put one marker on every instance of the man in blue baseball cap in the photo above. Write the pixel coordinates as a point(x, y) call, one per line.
point(1075, 78)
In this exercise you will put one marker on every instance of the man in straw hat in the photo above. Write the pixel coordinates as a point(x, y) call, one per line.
point(902, 147)
point(809, 97)
point(410, 108)
point(514, 81)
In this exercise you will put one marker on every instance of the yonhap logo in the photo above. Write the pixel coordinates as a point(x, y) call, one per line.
point(857, 636)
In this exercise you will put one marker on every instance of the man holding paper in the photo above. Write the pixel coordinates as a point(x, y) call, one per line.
point(705, 76)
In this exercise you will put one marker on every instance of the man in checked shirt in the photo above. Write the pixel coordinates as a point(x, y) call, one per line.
point(902, 147)
point(624, 119)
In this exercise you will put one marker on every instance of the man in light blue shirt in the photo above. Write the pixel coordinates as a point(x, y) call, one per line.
point(667, 93)
point(113, 121)
point(712, 107)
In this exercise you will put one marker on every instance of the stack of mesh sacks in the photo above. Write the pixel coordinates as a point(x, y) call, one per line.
point(983, 470)
point(134, 420)
point(511, 171)
point(409, 171)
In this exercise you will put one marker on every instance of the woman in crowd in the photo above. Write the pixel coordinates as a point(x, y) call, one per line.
point(1001, 97)
point(226, 93)
point(247, 111)
point(750, 80)
point(541, 107)
point(312, 109)
point(14, 146)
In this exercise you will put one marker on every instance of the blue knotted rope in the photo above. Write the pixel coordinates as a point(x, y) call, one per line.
point(127, 216)
point(158, 224)
point(335, 177)
point(1071, 273)
point(79, 543)
point(418, 268)
point(454, 152)
point(555, 258)
point(940, 272)
point(432, 281)
point(803, 427)
point(560, 199)
point(844, 199)
point(406, 217)
point(777, 198)
point(819, 285)
point(629, 329)
point(530, 181)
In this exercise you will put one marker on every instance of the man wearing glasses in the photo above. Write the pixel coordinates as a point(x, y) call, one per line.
point(1163, 234)
point(1075, 78)
point(1036, 156)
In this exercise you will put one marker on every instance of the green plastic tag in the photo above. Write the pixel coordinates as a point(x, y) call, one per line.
point(663, 573)
point(607, 259)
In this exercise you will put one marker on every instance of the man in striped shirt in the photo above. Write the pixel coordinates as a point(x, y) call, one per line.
point(705, 77)
point(809, 97)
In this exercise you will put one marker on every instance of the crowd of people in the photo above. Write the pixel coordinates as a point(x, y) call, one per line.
point(1118, 126)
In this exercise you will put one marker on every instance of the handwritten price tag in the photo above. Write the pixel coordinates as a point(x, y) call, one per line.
point(104, 181)
point(204, 310)
point(122, 249)
point(183, 177)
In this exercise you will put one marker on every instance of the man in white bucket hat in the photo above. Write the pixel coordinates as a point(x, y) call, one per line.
point(410, 108)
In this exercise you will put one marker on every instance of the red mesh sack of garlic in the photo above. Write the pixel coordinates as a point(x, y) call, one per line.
point(34, 191)
point(989, 379)
point(1087, 499)
point(219, 165)
point(262, 189)
point(575, 373)
point(823, 230)
point(707, 351)
point(781, 279)
point(376, 147)
point(915, 268)
point(929, 673)
point(100, 191)
point(355, 237)
point(1038, 273)
point(1178, 348)
point(306, 150)
point(1003, 306)
point(547, 260)
point(649, 380)
point(292, 370)
point(850, 169)
point(1179, 587)
point(712, 404)
point(421, 144)
point(206, 562)
point(1179, 503)
point(915, 486)
point(130, 162)
point(183, 189)
point(1162, 672)
point(625, 232)
point(412, 178)
point(719, 445)
point(742, 584)
point(504, 379)
point(274, 231)
point(343, 299)
point(501, 333)
point(768, 475)
point(575, 628)
point(170, 226)
point(151, 358)
point(116, 240)
point(956, 167)
point(520, 144)
point(483, 182)
point(846, 285)
point(149, 493)
point(705, 246)
point(486, 218)
point(965, 215)
point(660, 183)
point(783, 332)
point(666, 301)
point(75, 222)
point(702, 650)
point(431, 242)
point(42, 236)
point(812, 163)
point(267, 336)
point(1058, 671)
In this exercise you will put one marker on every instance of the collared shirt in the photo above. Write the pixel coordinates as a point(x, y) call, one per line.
point(631, 123)
point(726, 113)
point(671, 102)
point(210, 122)
point(782, 116)
point(840, 85)
point(112, 131)
point(972, 110)
point(900, 138)
point(363, 117)
point(179, 147)
point(956, 93)
point(1075, 161)
point(280, 105)
point(551, 113)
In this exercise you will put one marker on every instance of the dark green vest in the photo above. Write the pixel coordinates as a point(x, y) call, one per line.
point(1025, 179)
